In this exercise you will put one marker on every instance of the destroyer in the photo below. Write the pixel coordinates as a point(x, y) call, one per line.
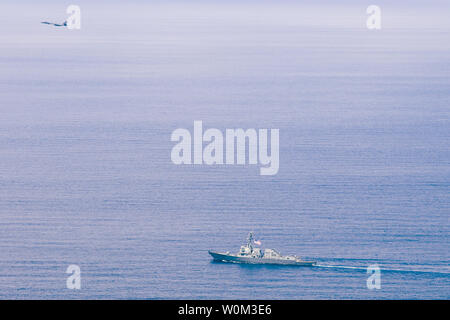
point(252, 255)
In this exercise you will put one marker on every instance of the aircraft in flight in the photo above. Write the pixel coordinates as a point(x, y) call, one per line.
point(64, 24)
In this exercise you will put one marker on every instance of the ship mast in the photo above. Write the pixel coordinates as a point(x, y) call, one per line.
point(250, 241)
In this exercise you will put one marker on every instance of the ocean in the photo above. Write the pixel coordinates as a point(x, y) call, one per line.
point(86, 176)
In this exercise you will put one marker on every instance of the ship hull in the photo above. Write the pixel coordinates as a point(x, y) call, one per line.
point(247, 260)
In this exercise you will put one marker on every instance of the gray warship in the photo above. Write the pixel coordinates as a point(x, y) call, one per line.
point(252, 255)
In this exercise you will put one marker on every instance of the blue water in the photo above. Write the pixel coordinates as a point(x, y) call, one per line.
point(85, 170)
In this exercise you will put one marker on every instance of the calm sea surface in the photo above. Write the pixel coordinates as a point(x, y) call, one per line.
point(85, 170)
